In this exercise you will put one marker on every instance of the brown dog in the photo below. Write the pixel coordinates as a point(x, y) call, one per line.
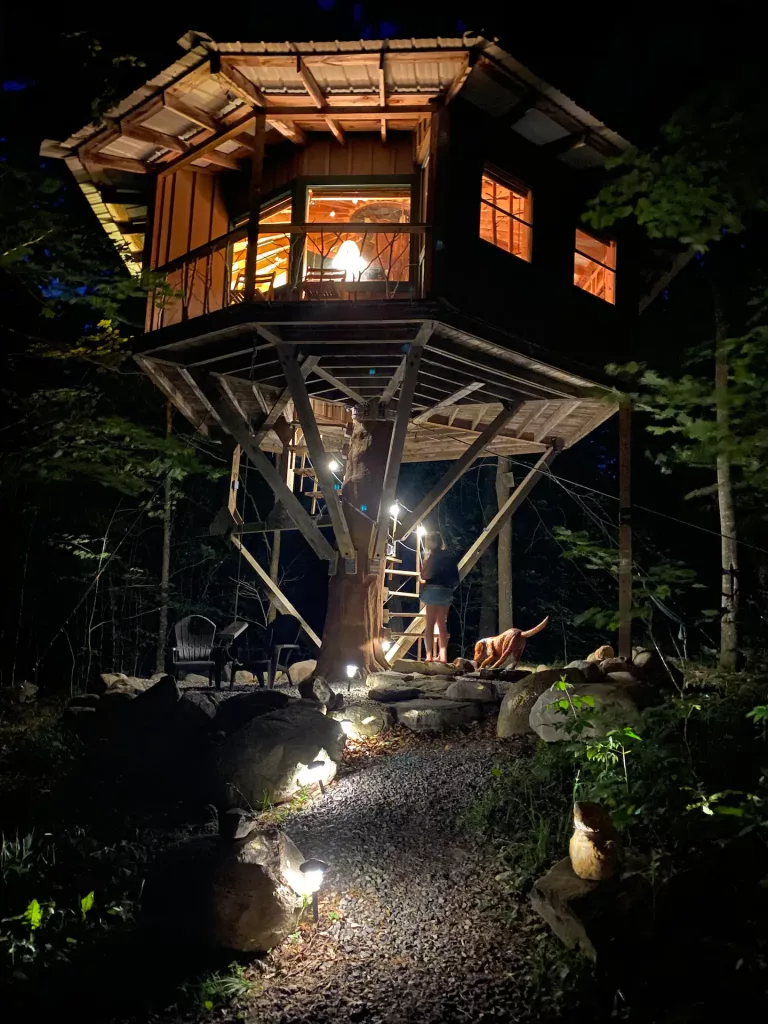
point(495, 650)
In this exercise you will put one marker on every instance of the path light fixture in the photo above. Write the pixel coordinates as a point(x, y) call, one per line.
point(315, 770)
point(313, 871)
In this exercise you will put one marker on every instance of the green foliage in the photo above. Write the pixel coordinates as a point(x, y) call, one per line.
point(218, 988)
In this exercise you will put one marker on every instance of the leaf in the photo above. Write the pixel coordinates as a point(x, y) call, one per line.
point(34, 915)
point(208, 1004)
point(86, 903)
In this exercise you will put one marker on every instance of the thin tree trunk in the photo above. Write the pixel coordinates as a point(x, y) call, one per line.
point(729, 603)
point(353, 622)
point(274, 572)
point(488, 579)
point(165, 566)
point(504, 553)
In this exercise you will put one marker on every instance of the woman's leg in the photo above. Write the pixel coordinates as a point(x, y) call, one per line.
point(442, 629)
point(429, 628)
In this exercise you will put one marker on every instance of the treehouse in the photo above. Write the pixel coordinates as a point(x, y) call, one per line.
point(364, 253)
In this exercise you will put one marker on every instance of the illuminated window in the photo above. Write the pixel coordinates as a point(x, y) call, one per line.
point(594, 266)
point(364, 254)
point(506, 213)
point(272, 251)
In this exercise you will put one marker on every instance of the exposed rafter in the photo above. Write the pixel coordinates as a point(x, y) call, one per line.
point(141, 133)
point(179, 106)
point(233, 79)
point(203, 148)
point(337, 132)
point(449, 400)
point(339, 385)
point(310, 82)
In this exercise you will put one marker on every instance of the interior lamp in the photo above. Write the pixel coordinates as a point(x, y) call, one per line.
point(313, 871)
point(348, 259)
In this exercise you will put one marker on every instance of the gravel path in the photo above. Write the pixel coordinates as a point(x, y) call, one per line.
point(414, 926)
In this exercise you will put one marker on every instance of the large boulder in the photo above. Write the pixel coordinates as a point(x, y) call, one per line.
point(392, 694)
point(431, 685)
point(319, 691)
point(609, 665)
point(655, 670)
point(589, 669)
point(472, 689)
point(361, 721)
point(236, 894)
point(520, 698)
point(301, 670)
point(435, 714)
point(615, 705)
point(236, 711)
point(268, 760)
point(592, 915)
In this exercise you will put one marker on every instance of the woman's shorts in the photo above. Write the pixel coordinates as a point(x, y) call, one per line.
point(433, 594)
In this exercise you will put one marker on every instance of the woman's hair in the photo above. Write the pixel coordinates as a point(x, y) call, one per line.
point(434, 541)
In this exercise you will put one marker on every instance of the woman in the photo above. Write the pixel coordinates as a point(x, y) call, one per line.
point(439, 579)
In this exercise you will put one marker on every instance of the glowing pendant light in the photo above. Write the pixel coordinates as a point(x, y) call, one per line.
point(348, 259)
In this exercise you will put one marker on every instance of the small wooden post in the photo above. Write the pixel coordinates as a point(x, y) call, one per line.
point(504, 553)
point(257, 174)
point(625, 530)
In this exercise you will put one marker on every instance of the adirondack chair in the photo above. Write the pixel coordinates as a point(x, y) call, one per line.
point(265, 288)
point(194, 645)
point(280, 649)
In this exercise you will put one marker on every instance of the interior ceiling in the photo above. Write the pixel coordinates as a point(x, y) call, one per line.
point(199, 111)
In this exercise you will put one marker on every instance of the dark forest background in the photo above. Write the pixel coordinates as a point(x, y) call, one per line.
point(85, 453)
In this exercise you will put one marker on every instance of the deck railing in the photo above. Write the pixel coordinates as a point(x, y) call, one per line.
point(294, 262)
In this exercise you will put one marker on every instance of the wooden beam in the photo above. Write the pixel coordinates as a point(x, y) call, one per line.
point(234, 483)
point(337, 132)
point(281, 401)
point(310, 82)
point(339, 385)
point(392, 112)
point(155, 370)
point(625, 530)
point(317, 453)
point(259, 395)
point(241, 431)
point(456, 470)
point(115, 163)
point(195, 152)
point(504, 547)
point(396, 379)
point(380, 532)
point(449, 400)
point(232, 79)
point(225, 160)
point(130, 130)
point(290, 131)
point(510, 506)
point(201, 118)
point(528, 382)
point(456, 85)
point(564, 409)
point(275, 593)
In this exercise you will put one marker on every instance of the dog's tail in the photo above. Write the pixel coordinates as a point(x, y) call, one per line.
point(536, 629)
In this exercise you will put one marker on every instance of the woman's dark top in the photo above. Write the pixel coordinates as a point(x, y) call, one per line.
point(444, 569)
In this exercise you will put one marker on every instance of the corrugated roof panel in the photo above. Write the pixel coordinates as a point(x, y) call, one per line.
point(132, 148)
point(169, 123)
point(538, 128)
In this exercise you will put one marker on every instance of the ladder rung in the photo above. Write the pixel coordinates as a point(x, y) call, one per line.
point(401, 572)
point(400, 593)
point(312, 494)
point(415, 636)
point(307, 471)
point(391, 558)
point(406, 615)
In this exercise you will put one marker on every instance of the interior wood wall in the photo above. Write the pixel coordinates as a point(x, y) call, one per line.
point(322, 156)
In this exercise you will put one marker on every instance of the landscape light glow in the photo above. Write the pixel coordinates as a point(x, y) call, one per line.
point(386, 644)
point(313, 871)
point(421, 531)
point(346, 726)
point(334, 466)
point(351, 671)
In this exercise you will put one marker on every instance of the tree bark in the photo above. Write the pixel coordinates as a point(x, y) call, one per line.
point(729, 558)
point(504, 553)
point(353, 622)
point(274, 572)
point(165, 565)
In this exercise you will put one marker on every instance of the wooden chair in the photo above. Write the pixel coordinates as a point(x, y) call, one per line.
point(237, 294)
point(322, 283)
point(280, 649)
point(194, 645)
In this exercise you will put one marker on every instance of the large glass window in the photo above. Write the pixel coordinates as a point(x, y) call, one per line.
point(364, 253)
point(506, 213)
point(594, 266)
point(272, 252)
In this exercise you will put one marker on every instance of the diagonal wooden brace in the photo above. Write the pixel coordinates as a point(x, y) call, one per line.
point(317, 453)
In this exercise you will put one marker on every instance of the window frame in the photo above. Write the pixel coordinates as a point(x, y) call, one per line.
point(518, 188)
point(611, 242)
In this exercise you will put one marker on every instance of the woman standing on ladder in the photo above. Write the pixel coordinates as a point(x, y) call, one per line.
point(439, 579)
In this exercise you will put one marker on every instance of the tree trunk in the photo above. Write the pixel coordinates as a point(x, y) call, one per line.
point(274, 572)
point(353, 622)
point(165, 566)
point(729, 603)
point(488, 580)
point(504, 553)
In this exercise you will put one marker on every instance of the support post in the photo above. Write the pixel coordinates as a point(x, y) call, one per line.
point(504, 552)
point(240, 430)
point(317, 453)
point(234, 484)
point(510, 506)
point(274, 414)
point(454, 472)
point(254, 212)
point(396, 445)
point(625, 530)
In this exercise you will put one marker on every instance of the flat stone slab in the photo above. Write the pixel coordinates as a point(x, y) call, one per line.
point(471, 689)
point(435, 714)
point(424, 668)
point(392, 694)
